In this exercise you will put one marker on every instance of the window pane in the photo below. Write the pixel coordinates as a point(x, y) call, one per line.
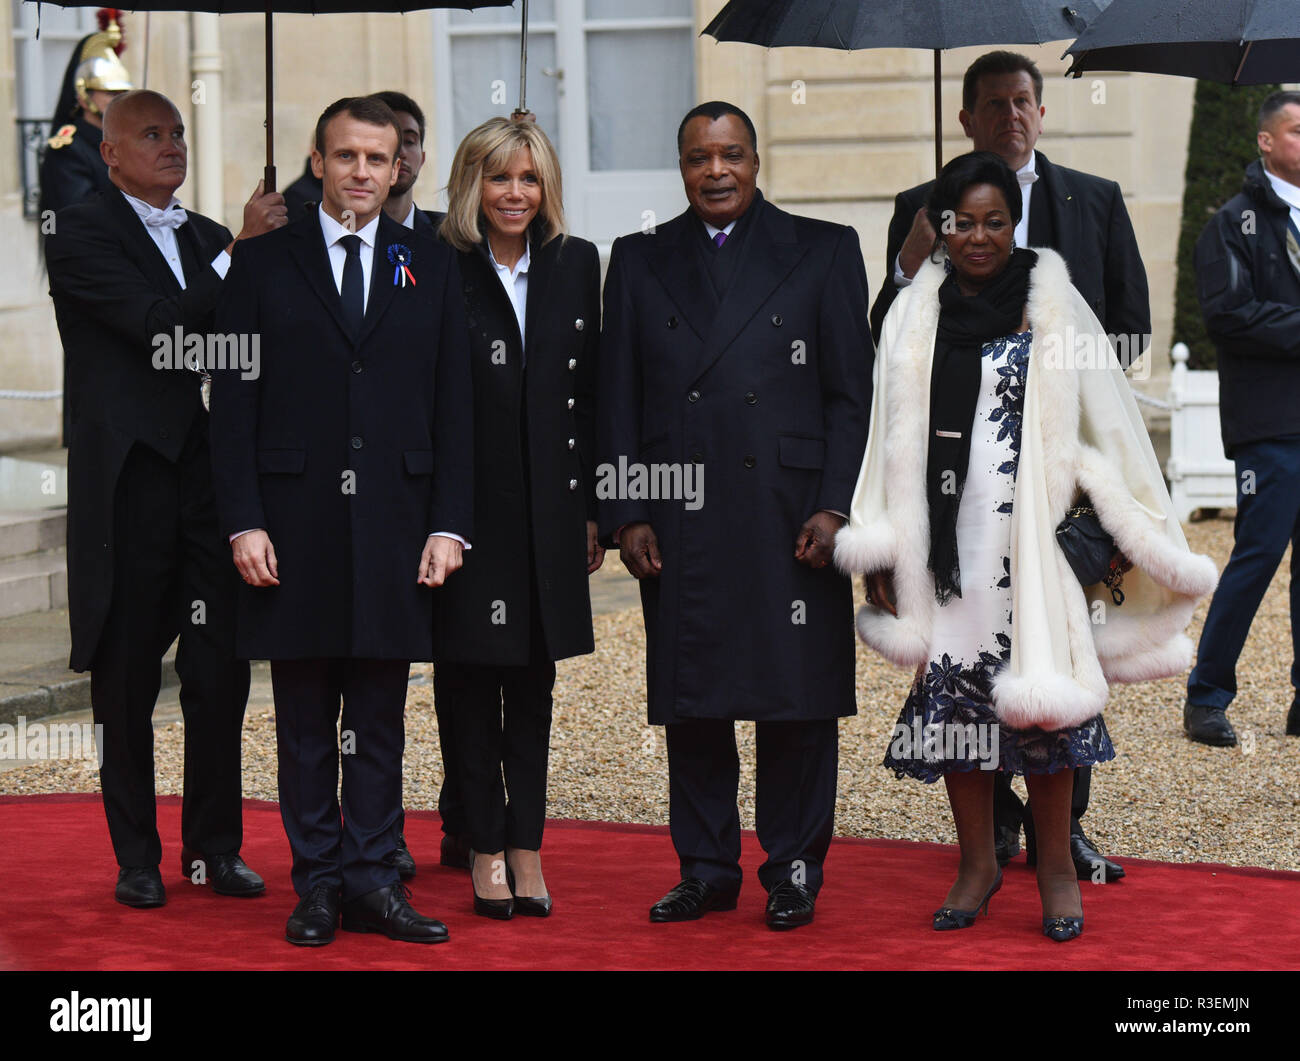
point(638, 8)
point(479, 63)
point(639, 84)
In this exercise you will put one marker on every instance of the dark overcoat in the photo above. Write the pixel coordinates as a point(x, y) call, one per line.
point(348, 450)
point(768, 392)
point(114, 295)
point(1081, 216)
point(534, 443)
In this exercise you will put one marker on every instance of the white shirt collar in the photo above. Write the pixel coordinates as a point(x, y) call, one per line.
point(334, 231)
point(1286, 191)
point(409, 219)
point(144, 210)
point(521, 266)
point(1028, 173)
point(713, 232)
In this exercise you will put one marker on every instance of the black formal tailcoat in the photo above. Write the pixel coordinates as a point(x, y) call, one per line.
point(113, 294)
point(1084, 219)
point(534, 446)
point(769, 390)
point(348, 450)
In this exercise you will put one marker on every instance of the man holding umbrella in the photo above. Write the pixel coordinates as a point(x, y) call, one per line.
point(1081, 216)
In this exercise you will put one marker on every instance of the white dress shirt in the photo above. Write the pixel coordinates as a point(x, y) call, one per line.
point(409, 219)
point(515, 281)
point(1288, 193)
point(161, 226)
point(713, 232)
point(1026, 175)
point(334, 231)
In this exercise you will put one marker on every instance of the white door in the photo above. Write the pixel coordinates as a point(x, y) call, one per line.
point(609, 80)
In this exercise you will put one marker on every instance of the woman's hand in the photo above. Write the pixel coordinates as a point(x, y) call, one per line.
point(595, 551)
point(880, 591)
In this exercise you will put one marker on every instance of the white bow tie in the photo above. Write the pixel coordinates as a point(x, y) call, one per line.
point(173, 217)
point(1026, 177)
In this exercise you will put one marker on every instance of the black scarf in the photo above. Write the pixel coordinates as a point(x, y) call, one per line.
point(966, 323)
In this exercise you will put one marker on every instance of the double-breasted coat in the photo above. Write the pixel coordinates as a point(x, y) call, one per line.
point(767, 391)
point(534, 442)
point(349, 450)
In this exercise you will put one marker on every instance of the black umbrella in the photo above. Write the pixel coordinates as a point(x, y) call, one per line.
point(932, 24)
point(299, 7)
point(1238, 42)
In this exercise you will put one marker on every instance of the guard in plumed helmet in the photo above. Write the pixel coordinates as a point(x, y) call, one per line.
point(72, 169)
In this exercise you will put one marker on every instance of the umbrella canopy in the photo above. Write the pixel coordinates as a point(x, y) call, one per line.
point(1238, 42)
point(301, 7)
point(931, 24)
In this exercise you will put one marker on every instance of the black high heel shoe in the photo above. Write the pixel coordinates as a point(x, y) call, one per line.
point(528, 905)
point(947, 918)
point(1063, 929)
point(498, 909)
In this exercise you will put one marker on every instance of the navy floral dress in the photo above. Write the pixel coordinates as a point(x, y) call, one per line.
point(948, 722)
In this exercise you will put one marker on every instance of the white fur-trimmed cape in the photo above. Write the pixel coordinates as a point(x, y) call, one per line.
point(1081, 432)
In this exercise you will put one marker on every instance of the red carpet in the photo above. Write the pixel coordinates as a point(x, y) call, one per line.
point(57, 870)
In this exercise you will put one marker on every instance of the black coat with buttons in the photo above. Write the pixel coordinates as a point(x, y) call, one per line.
point(534, 431)
point(348, 450)
point(769, 391)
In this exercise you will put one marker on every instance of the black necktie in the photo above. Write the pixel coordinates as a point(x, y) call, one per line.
point(354, 305)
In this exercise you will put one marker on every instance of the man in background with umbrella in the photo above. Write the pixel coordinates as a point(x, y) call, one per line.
point(1248, 283)
point(1084, 218)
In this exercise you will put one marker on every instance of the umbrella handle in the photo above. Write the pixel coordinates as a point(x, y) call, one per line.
point(268, 174)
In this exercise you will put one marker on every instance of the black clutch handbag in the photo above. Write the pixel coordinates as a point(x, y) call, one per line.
point(1089, 548)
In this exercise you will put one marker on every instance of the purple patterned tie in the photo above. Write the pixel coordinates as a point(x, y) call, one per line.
point(719, 239)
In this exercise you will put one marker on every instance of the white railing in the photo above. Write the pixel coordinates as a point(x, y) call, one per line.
point(1200, 476)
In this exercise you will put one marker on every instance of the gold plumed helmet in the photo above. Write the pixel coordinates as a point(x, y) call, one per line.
point(101, 70)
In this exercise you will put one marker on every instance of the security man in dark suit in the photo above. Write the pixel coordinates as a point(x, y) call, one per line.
point(400, 206)
point(1084, 218)
point(736, 350)
point(134, 278)
point(345, 480)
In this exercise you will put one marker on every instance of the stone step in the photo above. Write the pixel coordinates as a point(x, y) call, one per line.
point(27, 532)
point(36, 582)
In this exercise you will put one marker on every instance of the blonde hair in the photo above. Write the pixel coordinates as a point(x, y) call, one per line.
point(487, 151)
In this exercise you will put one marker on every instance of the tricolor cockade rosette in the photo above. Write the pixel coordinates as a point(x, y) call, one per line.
point(400, 257)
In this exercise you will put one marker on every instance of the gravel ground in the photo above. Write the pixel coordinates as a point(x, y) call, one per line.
point(1163, 797)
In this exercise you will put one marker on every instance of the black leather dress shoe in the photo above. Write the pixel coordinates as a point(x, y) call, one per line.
point(789, 905)
point(1208, 725)
point(454, 852)
point(140, 886)
point(1293, 718)
point(401, 859)
point(315, 918)
point(1087, 859)
point(228, 874)
point(388, 912)
point(691, 900)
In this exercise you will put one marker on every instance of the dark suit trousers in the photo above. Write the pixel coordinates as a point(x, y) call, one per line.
point(346, 850)
point(172, 575)
point(796, 773)
point(1268, 519)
